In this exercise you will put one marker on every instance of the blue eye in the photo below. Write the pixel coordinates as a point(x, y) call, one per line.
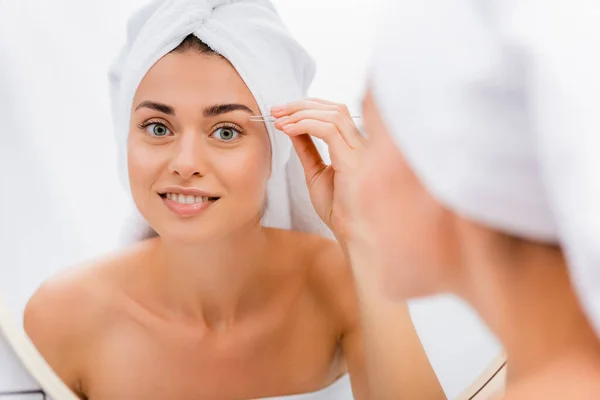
point(226, 133)
point(157, 129)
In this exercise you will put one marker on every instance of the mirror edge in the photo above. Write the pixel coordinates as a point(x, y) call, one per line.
point(492, 377)
point(29, 357)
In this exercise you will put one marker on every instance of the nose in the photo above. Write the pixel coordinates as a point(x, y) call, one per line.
point(188, 159)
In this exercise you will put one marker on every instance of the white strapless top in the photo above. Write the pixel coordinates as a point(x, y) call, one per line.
point(338, 390)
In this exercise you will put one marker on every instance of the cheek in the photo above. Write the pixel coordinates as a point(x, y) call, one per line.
point(395, 222)
point(144, 163)
point(244, 171)
point(381, 199)
point(144, 167)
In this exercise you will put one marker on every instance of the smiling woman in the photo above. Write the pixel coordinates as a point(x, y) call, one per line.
point(220, 303)
point(194, 145)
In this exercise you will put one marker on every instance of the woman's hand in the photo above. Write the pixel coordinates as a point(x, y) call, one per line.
point(331, 186)
point(385, 349)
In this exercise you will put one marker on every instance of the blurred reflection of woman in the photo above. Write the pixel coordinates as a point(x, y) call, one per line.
point(475, 153)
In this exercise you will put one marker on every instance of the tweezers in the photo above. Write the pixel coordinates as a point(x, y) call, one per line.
point(270, 118)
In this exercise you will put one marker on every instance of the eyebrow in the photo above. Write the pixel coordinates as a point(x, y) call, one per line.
point(210, 111)
point(163, 108)
point(218, 109)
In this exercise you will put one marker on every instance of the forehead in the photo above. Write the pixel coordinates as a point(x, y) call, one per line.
point(194, 79)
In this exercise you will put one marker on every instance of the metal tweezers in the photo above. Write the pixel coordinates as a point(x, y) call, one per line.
point(270, 118)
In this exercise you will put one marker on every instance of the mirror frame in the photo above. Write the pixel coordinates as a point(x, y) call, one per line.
point(490, 384)
point(28, 355)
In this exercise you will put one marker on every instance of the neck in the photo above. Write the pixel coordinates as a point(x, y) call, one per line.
point(528, 302)
point(219, 281)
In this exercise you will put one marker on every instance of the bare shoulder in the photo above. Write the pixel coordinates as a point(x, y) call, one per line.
point(329, 275)
point(574, 377)
point(66, 300)
point(69, 311)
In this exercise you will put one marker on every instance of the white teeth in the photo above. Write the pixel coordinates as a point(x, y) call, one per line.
point(186, 199)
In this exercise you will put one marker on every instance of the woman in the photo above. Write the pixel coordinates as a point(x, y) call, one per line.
point(444, 194)
point(217, 305)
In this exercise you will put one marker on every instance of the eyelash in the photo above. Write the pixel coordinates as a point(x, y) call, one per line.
point(233, 127)
point(236, 128)
point(146, 124)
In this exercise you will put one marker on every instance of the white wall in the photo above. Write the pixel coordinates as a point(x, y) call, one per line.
point(62, 202)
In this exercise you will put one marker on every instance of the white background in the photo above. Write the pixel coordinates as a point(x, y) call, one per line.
point(61, 200)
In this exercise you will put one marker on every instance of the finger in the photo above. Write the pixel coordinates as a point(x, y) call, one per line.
point(345, 126)
point(342, 107)
point(290, 108)
point(326, 131)
point(309, 156)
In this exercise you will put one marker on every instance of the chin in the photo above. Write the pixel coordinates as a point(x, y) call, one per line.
point(186, 232)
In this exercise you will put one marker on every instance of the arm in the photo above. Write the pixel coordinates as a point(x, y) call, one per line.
point(385, 345)
point(383, 353)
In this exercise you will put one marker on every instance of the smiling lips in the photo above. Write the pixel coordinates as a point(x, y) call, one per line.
point(186, 199)
point(187, 202)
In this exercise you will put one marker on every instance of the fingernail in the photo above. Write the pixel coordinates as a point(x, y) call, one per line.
point(288, 127)
point(277, 109)
point(282, 120)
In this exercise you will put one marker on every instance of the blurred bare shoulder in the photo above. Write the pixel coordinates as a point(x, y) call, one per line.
point(571, 377)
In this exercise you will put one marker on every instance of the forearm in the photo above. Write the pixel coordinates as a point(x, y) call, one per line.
point(397, 367)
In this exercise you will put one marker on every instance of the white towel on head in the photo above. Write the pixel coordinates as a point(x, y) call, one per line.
point(496, 107)
point(276, 69)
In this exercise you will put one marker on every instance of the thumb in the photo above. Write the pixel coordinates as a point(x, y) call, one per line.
point(309, 156)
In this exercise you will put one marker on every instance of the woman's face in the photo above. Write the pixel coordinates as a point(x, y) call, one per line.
point(190, 139)
point(408, 232)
